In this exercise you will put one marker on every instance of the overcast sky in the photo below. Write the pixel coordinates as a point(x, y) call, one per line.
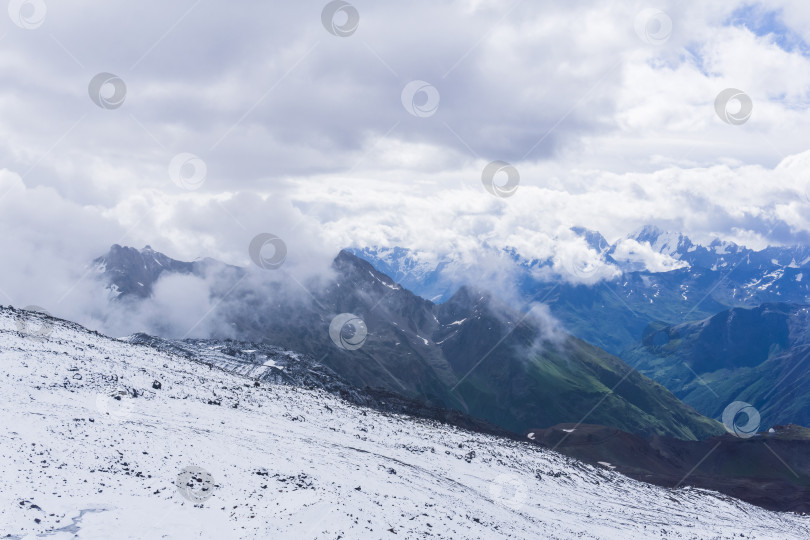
point(373, 127)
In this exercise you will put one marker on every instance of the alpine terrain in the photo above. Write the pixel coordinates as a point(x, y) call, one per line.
point(472, 353)
point(106, 438)
point(610, 294)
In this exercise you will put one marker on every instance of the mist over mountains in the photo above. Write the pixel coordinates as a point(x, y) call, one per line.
point(473, 353)
point(608, 294)
point(469, 348)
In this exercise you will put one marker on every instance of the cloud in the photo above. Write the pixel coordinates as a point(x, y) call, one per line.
point(178, 308)
point(304, 135)
point(642, 254)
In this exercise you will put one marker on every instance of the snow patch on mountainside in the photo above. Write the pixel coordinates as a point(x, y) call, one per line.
point(97, 433)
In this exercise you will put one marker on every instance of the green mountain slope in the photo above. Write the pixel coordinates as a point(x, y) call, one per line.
point(760, 356)
point(474, 354)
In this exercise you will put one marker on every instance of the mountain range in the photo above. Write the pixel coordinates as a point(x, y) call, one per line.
point(609, 298)
point(424, 349)
point(472, 353)
point(755, 355)
point(726, 324)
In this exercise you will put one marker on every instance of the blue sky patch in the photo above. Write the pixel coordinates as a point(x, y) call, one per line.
point(764, 22)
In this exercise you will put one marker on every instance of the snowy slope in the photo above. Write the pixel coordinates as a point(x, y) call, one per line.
point(284, 462)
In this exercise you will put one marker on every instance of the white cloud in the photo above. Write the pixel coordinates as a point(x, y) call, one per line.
point(631, 251)
point(304, 135)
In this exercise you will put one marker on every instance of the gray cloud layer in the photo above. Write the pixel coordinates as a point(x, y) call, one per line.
point(304, 134)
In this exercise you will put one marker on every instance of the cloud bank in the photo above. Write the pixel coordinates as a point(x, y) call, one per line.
point(607, 114)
